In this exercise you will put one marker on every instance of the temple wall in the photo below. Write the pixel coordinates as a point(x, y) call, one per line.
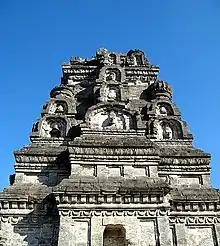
point(111, 163)
point(110, 230)
point(196, 235)
point(92, 231)
point(18, 231)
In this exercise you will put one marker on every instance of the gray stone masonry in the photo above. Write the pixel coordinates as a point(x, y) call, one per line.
point(111, 163)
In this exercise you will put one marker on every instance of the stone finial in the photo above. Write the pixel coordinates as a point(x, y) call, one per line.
point(162, 89)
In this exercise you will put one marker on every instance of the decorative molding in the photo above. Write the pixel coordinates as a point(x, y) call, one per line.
point(103, 213)
point(172, 142)
point(40, 167)
point(180, 168)
point(196, 206)
point(111, 198)
point(178, 162)
point(36, 159)
point(194, 220)
point(28, 219)
point(23, 205)
point(10, 219)
point(102, 152)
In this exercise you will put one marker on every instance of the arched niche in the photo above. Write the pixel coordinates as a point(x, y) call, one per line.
point(58, 107)
point(146, 94)
point(162, 108)
point(112, 75)
point(53, 127)
point(114, 235)
point(112, 58)
point(168, 130)
point(137, 58)
point(108, 117)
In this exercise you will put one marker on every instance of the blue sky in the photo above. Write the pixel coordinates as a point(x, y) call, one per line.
point(182, 37)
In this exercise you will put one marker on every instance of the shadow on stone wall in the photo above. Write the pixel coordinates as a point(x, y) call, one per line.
point(56, 171)
point(85, 99)
point(41, 226)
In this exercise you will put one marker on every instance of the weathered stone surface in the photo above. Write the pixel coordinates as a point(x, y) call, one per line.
point(111, 163)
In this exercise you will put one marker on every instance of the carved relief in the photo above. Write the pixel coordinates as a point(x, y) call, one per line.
point(73, 80)
point(168, 130)
point(110, 94)
point(136, 60)
point(112, 59)
point(103, 213)
point(163, 109)
point(109, 120)
point(114, 122)
point(112, 75)
point(53, 128)
point(45, 129)
point(163, 131)
point(57, 107)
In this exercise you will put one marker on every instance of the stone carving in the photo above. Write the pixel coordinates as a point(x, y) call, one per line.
point(167, 133)
point(107, 213)
point(52, 108)
point(112, 59)
point(161, 110)
point(163, 131)
point(101, 55)
point(159, 130)
point(138, 80)
point(194, 220)
point(114, 152)
point(76, 60)
point(101, 51)
point(60, 108)
point(111, 198)
point(56, 107)
point(109, 120)
point(74, 80)
point(111, 95)
point(111, 76)
point(45, 129)
point(136, 57)
point(53, 128)
point(67, 189)
point(138, 60)
point(113, 122)
point(133, 60)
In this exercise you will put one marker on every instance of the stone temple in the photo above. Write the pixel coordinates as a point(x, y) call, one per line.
point(111, 163)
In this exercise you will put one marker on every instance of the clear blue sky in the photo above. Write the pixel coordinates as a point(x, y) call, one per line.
point(182, 37)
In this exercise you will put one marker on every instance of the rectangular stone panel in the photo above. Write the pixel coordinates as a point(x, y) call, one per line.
point(200, 236)
point(81, 233)
point(87, 170)
point(140, 171)
point(114, 171)
point(183, 180)
point(147, 234)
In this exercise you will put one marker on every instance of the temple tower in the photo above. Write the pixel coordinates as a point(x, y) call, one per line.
point(111, 162)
